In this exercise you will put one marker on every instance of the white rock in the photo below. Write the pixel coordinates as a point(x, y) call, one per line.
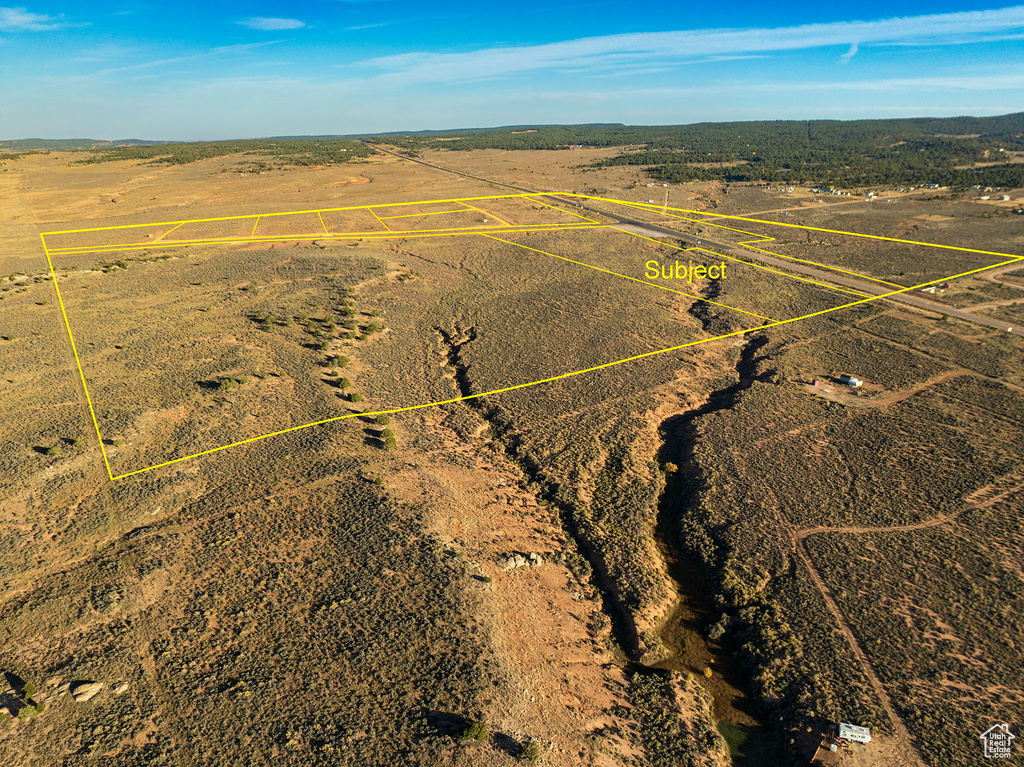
point(84, 691)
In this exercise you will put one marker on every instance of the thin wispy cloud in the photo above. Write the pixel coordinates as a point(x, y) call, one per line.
point(100, 53)
point(612, 50)
point(369, 26)
point(845, 58)
point(221, 50)
point(20, 19)
point(1006, 81)
point(267, 24)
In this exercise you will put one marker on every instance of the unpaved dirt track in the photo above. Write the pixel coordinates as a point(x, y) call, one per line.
point(982, 498)
point(653, 230)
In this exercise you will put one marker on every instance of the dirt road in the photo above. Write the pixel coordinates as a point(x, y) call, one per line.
point(863, 286)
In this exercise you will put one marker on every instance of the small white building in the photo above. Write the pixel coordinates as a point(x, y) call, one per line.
point(850, 381)
point(854, 733)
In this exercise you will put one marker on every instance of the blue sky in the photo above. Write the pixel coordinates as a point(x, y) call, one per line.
point(230, 70)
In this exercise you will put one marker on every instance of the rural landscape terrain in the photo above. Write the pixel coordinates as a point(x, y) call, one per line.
point(523, 445)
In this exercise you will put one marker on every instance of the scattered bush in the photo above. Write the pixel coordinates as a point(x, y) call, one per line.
point(530, 752)
point(474, 732)
point(27, 712)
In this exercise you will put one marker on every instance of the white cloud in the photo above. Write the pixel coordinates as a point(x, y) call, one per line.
point(218, 52)
point(266, 24)
point(14, 19)
point(661, 47)
point(369, 26)
point(845, 58)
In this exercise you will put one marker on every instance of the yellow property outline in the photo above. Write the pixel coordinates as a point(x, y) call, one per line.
point(478, 230)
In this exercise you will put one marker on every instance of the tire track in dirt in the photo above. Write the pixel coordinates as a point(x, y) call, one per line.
point(996, 304)
point(906, 749)
point(979, 499)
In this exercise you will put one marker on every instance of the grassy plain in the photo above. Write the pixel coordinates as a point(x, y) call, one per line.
point(320, 598)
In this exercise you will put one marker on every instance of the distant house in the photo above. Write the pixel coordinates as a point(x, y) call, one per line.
point(854, 733)
point(850, 381)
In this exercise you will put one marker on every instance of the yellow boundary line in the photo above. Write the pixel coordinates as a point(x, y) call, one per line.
point(558, 377)
point(164, 235)
point(563, 210)
point(431, 213)
point(389, 235)
point(78, 361)
point(761, 238)
point(381, 220)
point(301, 212)
point(320, 216)
point(1012, 258)
point(762, 267)
point(488, 213)
point(797, 226)
point(627, 277)
point(253, 232)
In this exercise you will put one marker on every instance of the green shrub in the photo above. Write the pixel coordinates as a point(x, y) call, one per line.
point(28, 690)
point(355, 397)
point(382, 420)
point(27, 712)
point(530, 752)
point(390, 443)
point(475, 731)
point(53, 451)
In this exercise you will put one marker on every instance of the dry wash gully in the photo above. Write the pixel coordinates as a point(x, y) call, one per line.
point(655, 270)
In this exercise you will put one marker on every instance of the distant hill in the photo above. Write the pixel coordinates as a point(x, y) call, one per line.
point(458, 131)
point(70, 144)
point(948, 151)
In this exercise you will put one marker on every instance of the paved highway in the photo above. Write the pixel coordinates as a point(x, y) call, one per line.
point(653, 230)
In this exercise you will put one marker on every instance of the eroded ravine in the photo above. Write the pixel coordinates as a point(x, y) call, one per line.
point(684, 633)
point(622, 623)
point(694, 634)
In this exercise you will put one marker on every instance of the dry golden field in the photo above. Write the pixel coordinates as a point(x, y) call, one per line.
point(349, 593)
